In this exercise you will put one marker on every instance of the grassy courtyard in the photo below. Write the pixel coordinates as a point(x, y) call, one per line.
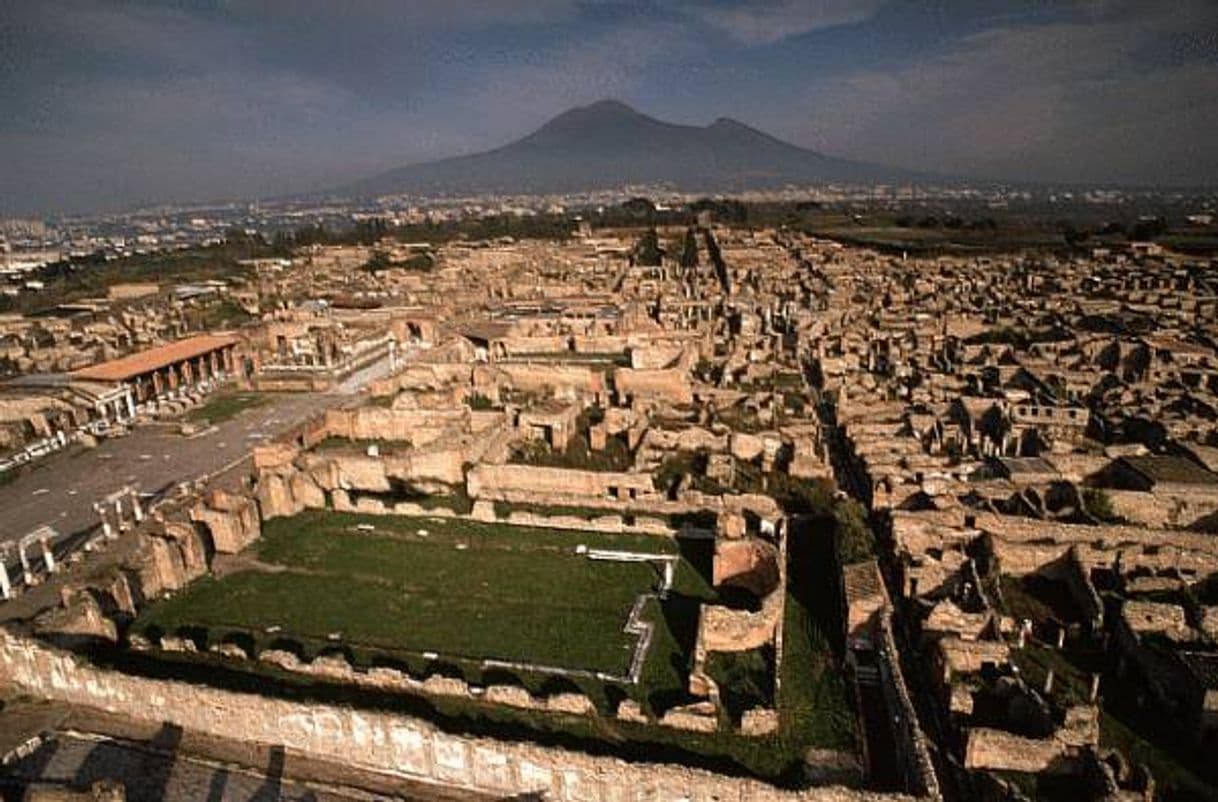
point(395, 591)
point(463, 590)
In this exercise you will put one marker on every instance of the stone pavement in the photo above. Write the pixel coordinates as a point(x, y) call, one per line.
point(61, 489)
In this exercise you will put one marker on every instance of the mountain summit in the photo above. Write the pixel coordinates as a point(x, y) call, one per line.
point(608, 144)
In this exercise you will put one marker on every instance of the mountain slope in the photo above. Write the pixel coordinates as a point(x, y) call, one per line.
point(609, 144)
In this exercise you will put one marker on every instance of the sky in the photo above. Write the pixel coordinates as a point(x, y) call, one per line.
point(106, 104)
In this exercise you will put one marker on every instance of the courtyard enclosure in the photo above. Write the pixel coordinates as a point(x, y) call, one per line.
point(459, 589)
point(381, 592)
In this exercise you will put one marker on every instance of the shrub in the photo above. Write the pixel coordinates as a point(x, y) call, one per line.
point(1099, 504)
point(855, 540)
point(479, 402)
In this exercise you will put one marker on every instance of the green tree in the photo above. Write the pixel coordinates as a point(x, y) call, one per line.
point(689, 252)
point(647, 252)
point(1147, 229)
point(377, 262)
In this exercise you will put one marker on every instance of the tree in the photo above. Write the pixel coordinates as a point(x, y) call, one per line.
point(1147, 229)
point(647, 252)
point(377, 262)
point(640, 208)
point(689, 252)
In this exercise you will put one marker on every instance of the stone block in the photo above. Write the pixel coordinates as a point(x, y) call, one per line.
point(410, 750)
point(450, 758)
point(573, 703)
point(492, 769)
point(510, 695)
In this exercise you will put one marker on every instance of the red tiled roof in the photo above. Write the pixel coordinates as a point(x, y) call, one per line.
point(133, 365)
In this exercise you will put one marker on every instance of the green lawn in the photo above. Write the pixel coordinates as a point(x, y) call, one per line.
point(461, 589)
point(815, 704)
point(226, 406)
point(372, 580)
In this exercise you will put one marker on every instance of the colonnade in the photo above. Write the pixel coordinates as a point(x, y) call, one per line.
point(43, 537)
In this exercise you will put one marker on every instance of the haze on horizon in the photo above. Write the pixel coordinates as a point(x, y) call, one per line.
point(112, 104)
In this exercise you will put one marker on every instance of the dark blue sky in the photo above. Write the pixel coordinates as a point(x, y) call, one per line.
point(108, 104)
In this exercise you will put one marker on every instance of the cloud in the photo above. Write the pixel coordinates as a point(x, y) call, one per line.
point(1069, 101)
point(146, 99)
point(767, 21)
point(397, 15)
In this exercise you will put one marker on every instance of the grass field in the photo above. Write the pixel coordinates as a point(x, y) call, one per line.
point(815, 709)
point(460, 589)
point(225, 407)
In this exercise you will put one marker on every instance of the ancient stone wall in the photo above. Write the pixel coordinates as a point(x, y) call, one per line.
point(542, 379)
point(1139, 507)
point(501, 481)
point(750, 563)
point(655, 356)
point(417, 376)
point(1024, 546)
point(380, 741)
point(997, 750)
point(670, 385)
point(233, 520)
point(913, 751)
point(415, 426)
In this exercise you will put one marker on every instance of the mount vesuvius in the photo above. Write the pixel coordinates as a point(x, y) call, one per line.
point(608, 144)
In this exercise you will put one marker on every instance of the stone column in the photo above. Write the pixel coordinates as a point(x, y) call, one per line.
point(26, 574)
point(107, 530)
point(130, 404)
point(6, 588)
point(136, 508)
point(48, 557)
point(118, 515)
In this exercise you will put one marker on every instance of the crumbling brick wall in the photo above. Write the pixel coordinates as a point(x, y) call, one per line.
point(380, 741)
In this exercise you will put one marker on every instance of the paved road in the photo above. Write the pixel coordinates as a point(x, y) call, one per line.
point(60, 490)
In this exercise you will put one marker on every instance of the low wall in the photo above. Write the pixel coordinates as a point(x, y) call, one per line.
point(670, 384)
point(379, 741)
point(498, 482)
point(414, 426)
point(540, 378)
point(996, 750)
point(1025, 546)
